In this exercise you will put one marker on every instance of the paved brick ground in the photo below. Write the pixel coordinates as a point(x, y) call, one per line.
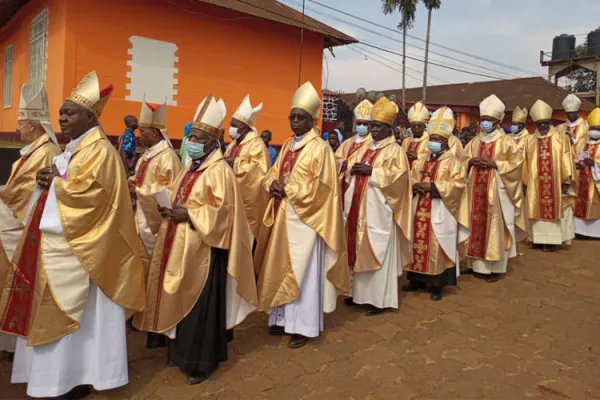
point(535, 334)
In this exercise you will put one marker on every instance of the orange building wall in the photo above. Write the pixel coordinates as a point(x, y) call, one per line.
point(221, 51)
point(17, 32)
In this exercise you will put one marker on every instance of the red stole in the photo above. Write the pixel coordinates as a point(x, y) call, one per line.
point(413, 146)
point(235, 151)
point(141, 174)
point(545, 180)
point(183, 193)
point(353, 149)
point(287, 165)
point(585, 181)
point(359, 189)
point(479, 204)
point(15, 317)
point(422, 229)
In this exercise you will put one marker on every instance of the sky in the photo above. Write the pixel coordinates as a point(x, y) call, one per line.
point(510, 32)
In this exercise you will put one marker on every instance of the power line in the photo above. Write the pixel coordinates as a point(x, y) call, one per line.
point(384, 64)
point(318, 12)
point(507, 66)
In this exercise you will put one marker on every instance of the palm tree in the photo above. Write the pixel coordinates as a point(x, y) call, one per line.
point(430, 5)
point(407, 8)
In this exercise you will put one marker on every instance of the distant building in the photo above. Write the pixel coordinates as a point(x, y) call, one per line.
point(464, 98)
point(173, 50)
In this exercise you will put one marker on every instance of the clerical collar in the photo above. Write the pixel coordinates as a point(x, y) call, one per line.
point(75, 142)
point(572, 124)
point(241, 138)
point(299, 138)
point(488, 138)
point(436, 156)
point(152, 149)
point(358, 138)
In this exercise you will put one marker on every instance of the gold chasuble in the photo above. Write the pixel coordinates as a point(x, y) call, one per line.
point(17, 192)
point(587, 188)
point(547, 166)
point(519, 138)
point(346, 150)
point(312, 207)
point(418, 145)
point(251, 163)
point(577, 131)
point(182, 256)
point(490, 236)
point(95, 213)
point(155, 170)
point(391, 176)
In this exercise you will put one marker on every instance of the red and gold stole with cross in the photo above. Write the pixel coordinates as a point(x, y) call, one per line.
point(141, 174)
point(479, 204)
point(15, 317)
point(183, 193)
point(585, 181)
point(422, 231)
point(545, 182)
point(287, 165)
point(235, 151)
point(413, 146)
point(353, 149)
point(360, 184)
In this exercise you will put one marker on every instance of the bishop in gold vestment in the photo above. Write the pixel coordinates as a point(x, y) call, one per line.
point(362, 115)
point(416, 146)
point(377, 212)
point(155, 171)
point(249, 158)
point(303, 265)
point(586, 156)
point(495, 193)
point(90, 270)
point(547, 174)
point(576, 127)
point(201, 280)
point(441, 217)
point(518, 130)
point(15, 197)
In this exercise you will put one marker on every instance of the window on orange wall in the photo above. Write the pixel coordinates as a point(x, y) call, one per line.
point(38, 45)
point(8, 76)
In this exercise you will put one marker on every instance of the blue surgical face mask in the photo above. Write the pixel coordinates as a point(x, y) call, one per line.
point(195, 150)
point(362, 130)
point(434, 147)
point(487, 126)
point(515, 128)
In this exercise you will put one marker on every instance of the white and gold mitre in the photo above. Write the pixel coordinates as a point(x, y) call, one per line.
point(540, 111)
point(89, 96)
point(519, 115)
point(384, 111)
point(210, 116)
point(155, 117)
point(246, 113)
point(571, 103)
point(362, 112)
point(442, 122)
point(307, 98)
point(418, 113)
point(35, 108)
point(493, 107)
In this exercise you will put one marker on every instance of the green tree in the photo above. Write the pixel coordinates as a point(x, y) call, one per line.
point(407, 9)
point(582, 79)
point(430, 5)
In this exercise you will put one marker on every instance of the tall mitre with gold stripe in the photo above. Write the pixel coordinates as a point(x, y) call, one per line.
point(587, 180)
point(418, 114)
point(20, 190)
point(377, 210)
point(87, 235)
point(310, 215)
point(186, 254)
point(547, 168)
point(155, 170)
point(362, 117)
point(495, 193)
point(250, 159)
point(441, 216)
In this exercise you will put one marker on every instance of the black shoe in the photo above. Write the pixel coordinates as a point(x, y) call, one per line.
point(349, 301)
point(413, 286)
point(195, 379)
point(436, 294)
point(491, 278)
point(78, 392)
point(549, 248)
point(156, 340)
point(372, 311)
point(298, 341)
point(277, 331)
point(229, 335)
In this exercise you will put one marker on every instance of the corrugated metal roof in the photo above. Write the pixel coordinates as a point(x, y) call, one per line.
point(8, 8)
point(521, 92)
point(275, 11)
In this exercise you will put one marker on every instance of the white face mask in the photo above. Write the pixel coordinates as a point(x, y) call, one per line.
point(233, 132)
point(595, 134)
